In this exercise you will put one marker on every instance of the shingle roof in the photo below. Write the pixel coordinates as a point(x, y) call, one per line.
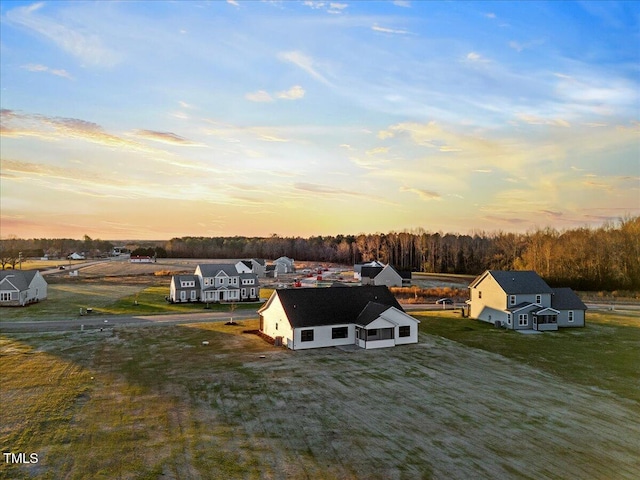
point(515, 282)
point(370, 313)
point(566, 299)
point(212, 269)
point(370, 272)
point(186, 278)
point(19, 278)
point(312, 307)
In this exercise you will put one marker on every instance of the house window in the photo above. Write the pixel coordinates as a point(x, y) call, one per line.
point(193, 294)
point(479, 294)
point(253, 292)
point(404, 331)
point(539, 299)
point(183, 295)
point(244, 292)
point(5, 296)
point(306, 335)
point(340, 332)
point(512, 299)
point(235, 280)
point(523, 320)
point(570, 316)
point(508, 319)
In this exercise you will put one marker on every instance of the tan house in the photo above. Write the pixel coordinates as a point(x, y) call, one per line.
point(522, 300)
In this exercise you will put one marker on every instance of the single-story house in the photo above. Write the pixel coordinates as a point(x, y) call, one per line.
point(215, 282)
point(522, 300)
point(21, 287)
point(366, 316)
point(76, 256)
point(386, 275)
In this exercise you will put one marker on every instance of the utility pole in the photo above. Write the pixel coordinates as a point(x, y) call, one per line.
point(20, 259)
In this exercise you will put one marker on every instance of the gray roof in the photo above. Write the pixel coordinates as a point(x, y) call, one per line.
point(566, 299)
point(19, 278)
point(186, 278)
point(312, 307)
point(516, 282)
point(212, 269)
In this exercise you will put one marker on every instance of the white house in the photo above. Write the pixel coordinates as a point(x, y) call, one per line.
point(369, 317)
point(257, 266)
point(21, 287)
point(522, 300)
point(215, 283)
point(76, 256)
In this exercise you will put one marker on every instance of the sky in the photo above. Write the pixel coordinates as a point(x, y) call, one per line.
point(161, 119)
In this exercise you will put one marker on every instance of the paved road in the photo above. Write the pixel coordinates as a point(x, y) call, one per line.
point(110, 321)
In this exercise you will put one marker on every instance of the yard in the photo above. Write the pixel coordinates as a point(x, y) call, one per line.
point(468, 401)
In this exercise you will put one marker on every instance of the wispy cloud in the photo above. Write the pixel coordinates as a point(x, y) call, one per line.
point(76, 40)
point(329, 7)
point(394, 31)
point(32, 67)
point(305, 63)
point(164, 137)
point(294, 93)
point(426, 195)
point(261, 96)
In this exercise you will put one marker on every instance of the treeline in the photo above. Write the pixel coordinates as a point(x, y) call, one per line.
point(604, 258)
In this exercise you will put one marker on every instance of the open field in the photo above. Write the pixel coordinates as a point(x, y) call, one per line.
point(154, 402)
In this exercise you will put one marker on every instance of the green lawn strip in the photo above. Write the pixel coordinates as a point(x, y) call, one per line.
point(604, 355)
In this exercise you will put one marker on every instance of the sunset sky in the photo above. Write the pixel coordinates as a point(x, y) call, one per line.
point(151, 120)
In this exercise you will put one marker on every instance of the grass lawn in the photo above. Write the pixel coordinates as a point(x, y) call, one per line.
point(109, 296)
point(154, 402)
point(605, 354)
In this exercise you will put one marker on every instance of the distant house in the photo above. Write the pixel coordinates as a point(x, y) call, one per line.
point(76, 256)
point(257, 266)
point(357, 268)
point(386, 275)
point(215, 283)
point(369, 317)
point(522, 300)
point(21, 287)
point(140, 259)
point(284, 265)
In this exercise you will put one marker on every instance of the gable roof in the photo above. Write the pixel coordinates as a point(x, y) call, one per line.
point(21, 279)
point(312, 307)
point(566, 299)
point(212, 269)
point(371, 312)
point(370, 272)
point(516, 282)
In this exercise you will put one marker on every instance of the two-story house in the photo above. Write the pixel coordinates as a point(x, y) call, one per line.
point(522, 300)
point(215, 283)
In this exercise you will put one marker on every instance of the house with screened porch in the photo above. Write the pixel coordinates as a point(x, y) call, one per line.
point(522, 300)
point(365, 316)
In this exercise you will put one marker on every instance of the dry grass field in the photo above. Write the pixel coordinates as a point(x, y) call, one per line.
point(156, 403)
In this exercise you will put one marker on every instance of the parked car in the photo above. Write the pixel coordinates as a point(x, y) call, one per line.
point(444, 301)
